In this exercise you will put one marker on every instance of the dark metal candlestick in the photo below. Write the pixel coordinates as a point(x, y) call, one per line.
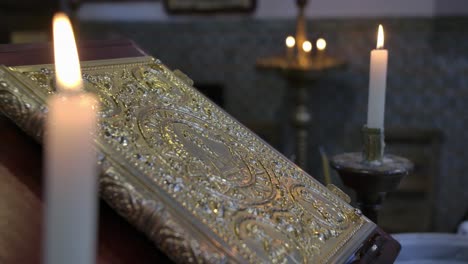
point(301, 120)
point(301, 71)
point(371, 173)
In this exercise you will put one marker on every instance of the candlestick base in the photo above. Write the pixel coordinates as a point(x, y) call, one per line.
point(371, 181)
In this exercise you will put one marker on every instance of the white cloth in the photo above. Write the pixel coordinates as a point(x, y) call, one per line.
point(463, 229)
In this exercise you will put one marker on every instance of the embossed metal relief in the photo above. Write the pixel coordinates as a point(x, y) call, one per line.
point(200, 185)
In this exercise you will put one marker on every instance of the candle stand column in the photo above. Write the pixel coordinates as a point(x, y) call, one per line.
point(371, 173)
point(300, 79)
point(300, 68)
point(301, 118)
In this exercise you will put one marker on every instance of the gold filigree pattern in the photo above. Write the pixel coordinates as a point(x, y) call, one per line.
point(199, 184)
point(21, 108)
point(152, 217)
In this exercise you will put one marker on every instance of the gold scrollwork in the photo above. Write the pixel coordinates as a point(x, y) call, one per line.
point(173, 162)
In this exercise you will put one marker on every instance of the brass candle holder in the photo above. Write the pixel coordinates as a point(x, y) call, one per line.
point(374, 144)
point(371, 173)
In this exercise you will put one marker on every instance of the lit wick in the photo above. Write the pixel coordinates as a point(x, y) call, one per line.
point(321, 44)
point(380, 38)
point(307, 46)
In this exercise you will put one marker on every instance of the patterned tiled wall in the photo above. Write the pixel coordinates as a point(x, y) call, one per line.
point(427, 81)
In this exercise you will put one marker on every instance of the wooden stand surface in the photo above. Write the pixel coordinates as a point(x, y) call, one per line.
point(21, 197)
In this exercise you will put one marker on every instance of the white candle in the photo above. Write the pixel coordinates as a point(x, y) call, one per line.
point(321, 44)
point(377, 84)
point(307, 48)
point(70, 159)
point(290, 43)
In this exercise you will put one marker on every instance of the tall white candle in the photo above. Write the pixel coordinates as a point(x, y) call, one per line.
point(70, 159)
point(305, 56)
point(377, 84)
point(321, 44)
point(290, 43)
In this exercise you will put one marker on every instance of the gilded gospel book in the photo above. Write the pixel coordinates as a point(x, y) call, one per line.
point(198, 183)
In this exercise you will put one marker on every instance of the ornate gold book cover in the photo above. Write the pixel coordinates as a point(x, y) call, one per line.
point(200, 185)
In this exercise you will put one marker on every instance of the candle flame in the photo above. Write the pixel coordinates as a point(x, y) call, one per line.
point(307, 46)
point(321, 44)
point(290, 41)
point(380, 38)
point(67, 64)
